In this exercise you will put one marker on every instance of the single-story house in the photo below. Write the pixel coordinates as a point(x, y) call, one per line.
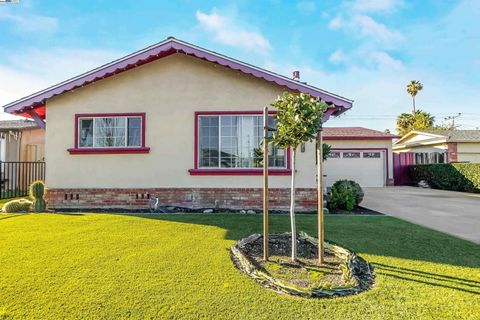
point(21, 140)
point(359, 154)
point(440, 146)
point(173, 120)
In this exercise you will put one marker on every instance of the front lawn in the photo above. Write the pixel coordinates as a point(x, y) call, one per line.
point(178, 266)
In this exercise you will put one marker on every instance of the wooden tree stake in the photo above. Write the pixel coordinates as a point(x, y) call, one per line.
point(265, 183)
point(320, 196)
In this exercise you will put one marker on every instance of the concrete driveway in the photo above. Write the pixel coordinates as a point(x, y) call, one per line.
point(456, 213)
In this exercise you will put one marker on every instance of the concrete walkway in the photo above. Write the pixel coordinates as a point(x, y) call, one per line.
point(456, 213)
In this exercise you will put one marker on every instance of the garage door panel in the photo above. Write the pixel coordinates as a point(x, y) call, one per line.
point(368, 169)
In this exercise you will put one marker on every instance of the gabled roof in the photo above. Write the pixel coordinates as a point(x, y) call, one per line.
point(444, 135)
point(456, 135)
point(158, 51)
point(17, 125)
point(355, 133)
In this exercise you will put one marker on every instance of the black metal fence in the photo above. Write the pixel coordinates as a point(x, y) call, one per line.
point(16, 177)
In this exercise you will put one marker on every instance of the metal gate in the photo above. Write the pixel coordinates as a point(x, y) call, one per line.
point(401, 162)
point(16, 177)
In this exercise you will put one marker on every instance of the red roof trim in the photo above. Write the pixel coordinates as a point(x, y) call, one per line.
point(158, 51)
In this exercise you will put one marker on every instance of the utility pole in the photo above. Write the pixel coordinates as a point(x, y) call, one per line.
point(452, 118)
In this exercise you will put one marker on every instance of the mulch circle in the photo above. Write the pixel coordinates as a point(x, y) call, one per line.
point(342, 273)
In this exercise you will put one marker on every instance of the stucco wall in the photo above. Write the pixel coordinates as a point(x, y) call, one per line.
point(468, 151)
point(29, 138)
point(169, 90)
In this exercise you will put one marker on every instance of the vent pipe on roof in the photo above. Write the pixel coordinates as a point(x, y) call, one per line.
point(296, 75)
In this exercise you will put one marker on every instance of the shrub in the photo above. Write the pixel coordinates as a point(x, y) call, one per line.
point(37, 192)
point(342, 198)
point(448, 176)
point(357, 190)
point(345, 194)
point(18, 205)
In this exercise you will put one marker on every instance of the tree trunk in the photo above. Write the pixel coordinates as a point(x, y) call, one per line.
point(292, 209)
point(413, 104)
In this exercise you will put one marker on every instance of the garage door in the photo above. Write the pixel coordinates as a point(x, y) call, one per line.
point(366, 167)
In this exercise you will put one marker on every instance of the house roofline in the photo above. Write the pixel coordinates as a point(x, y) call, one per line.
point(417, 132)
point(162, 49)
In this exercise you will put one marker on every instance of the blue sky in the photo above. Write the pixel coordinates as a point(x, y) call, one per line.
point(366, 50)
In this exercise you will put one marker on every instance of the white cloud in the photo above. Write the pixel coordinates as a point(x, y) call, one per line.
point(338, 56)
point(227, 31)
point(372, 6)
point(306, 7)
point(364, 26)
point(336, 23)
point(368, 27)
point(28, 21)
point(33, 70)
point(383, 60)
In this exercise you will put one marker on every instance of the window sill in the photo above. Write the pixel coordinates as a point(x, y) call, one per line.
point(238, 172)
point(108, 150)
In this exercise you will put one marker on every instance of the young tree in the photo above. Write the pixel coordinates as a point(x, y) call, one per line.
point(413, 88)
point(299, 118)
point(419, 120)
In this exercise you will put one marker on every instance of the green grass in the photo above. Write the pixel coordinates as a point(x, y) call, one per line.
point(177, 266)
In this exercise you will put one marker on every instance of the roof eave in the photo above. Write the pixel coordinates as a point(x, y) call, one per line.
point(155, 52)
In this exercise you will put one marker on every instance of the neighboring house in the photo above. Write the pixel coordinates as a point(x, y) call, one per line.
point(440, 146)
point(173, 120)
point(359, 154)
point(21, 140)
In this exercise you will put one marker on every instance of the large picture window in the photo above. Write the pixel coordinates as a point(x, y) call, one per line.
point(234, 141)
point(110, 133)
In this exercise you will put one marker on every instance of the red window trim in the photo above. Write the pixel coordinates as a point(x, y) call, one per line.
point(196, 171)
point(108, 150)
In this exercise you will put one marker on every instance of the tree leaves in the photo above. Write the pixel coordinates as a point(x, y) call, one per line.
point(299, 118)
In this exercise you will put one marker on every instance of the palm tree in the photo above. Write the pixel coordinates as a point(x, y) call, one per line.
point(413, 88)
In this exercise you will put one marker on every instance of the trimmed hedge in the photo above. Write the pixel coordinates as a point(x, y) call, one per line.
point(448, 176)
point(345, 194)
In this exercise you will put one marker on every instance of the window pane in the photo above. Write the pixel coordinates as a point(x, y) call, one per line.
point(86, 133)
point(334, 155)
point(371, 154)
point(208, 141)
point(351, 154)
point(239, 144)
point(134, 138)
point(109, 132)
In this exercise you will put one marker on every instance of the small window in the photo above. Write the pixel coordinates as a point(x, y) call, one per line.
point(110, 132)
point(351, 154)
point(371, 155)
point(334, 155)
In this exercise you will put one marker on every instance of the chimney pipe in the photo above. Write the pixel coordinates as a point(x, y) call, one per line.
point(296, 75)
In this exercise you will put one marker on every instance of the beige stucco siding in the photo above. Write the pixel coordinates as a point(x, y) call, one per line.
point(468, 151)
point(169, 91)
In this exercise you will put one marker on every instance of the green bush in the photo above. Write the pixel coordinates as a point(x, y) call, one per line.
point(18, 205)
point(448, 176)
point(345, 194)
point(37, 192)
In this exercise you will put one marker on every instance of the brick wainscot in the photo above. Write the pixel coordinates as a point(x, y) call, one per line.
point(229, 198)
